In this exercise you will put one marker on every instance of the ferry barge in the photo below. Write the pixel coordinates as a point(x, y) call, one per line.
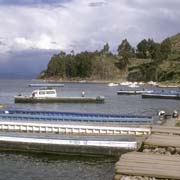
point(132, 92)
point(50, 96)
point(162, 95)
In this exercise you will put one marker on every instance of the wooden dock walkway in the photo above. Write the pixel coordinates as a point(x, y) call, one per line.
point(163, 136)
point(165, 130)
point(163, 141)
point(149, 165)
point(158, 160)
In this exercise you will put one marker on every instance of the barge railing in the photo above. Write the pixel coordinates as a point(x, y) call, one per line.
point(72, 129)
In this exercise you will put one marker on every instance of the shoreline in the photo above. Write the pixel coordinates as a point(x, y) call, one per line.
point(79, 81)
point(96, 81)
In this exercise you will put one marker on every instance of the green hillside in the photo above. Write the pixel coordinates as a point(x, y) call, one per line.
point(160, 69)
point(149, 61)
point(175, 41)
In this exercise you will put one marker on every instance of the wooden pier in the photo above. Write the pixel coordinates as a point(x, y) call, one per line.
point(155, 140)
point(160, 157)
point(148, 165)
point(165, 130)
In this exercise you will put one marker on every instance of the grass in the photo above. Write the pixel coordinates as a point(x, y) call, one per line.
point(178, 124)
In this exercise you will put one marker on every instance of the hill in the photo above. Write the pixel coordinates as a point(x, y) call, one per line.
point(160, 69)
point(149, 61)
point(175, 41)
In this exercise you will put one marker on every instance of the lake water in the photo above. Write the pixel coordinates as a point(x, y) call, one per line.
point(15, 166)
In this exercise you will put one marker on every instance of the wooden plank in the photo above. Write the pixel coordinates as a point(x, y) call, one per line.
point(150, 169)
point(144, 172)
point(160, 166)
point(163, 140)
point(151, 165)
point(150, 161)
point(165, 127)
point(166, 130)
point(131, 155)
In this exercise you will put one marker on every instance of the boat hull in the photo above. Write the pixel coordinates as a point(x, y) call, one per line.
point(129, 92)
point(46, 85)
point(24, 99)
point(161, 96)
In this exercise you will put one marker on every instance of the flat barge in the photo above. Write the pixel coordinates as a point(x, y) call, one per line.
point(31, 115)
point(90, 145)
point(42, 127)
point(26, 99)
point(50, 96)
point(162, 95)
point(132, 92)
point(47, 85)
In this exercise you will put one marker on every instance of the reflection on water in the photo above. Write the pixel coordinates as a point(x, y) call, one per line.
point(52, 167)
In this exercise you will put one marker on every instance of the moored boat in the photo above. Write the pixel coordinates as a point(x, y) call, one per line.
point(133, 85)
point(50, 96)
point(46, 85)
point(126, 83)
point(162, 95)
point(166, 86)
point(133, 92)
point(113, 84)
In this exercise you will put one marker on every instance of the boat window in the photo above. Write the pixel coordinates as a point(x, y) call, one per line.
point(42, 92)
point(50, 92)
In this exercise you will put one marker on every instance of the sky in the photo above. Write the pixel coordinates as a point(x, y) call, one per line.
point(31, 31)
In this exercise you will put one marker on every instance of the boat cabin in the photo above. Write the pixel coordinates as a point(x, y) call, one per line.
point(44, 93)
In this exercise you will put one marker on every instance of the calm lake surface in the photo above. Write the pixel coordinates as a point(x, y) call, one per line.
point(15, 166)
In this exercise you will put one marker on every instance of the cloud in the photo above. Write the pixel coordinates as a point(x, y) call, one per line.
point(26, 63)
point(48, 25)
point(31, 2)
point(85, 24)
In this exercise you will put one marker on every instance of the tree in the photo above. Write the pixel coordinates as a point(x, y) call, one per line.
point(165, 49)
point(83, 62)
point(142, 49)
point(125, 51)
point(62, 54)
point(105, 49)
point(155, 51)
point(56, 66)
point(148, 49)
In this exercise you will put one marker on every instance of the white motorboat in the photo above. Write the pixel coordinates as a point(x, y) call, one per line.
point(113, 84)
point(126, 83)
point(133, 85)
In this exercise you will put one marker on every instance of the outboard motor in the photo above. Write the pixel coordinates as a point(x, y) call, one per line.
point(175, 114)
point(6, 112)
point(161, 114)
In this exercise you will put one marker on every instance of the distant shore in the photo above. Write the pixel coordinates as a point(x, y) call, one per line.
point(60, 80)
point(81, 80)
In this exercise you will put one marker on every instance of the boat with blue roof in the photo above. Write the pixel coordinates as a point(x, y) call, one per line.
point(162, 94)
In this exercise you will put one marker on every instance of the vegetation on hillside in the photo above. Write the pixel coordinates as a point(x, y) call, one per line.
point(148, 61)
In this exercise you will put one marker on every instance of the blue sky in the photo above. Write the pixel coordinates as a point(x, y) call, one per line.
point(33, 30)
